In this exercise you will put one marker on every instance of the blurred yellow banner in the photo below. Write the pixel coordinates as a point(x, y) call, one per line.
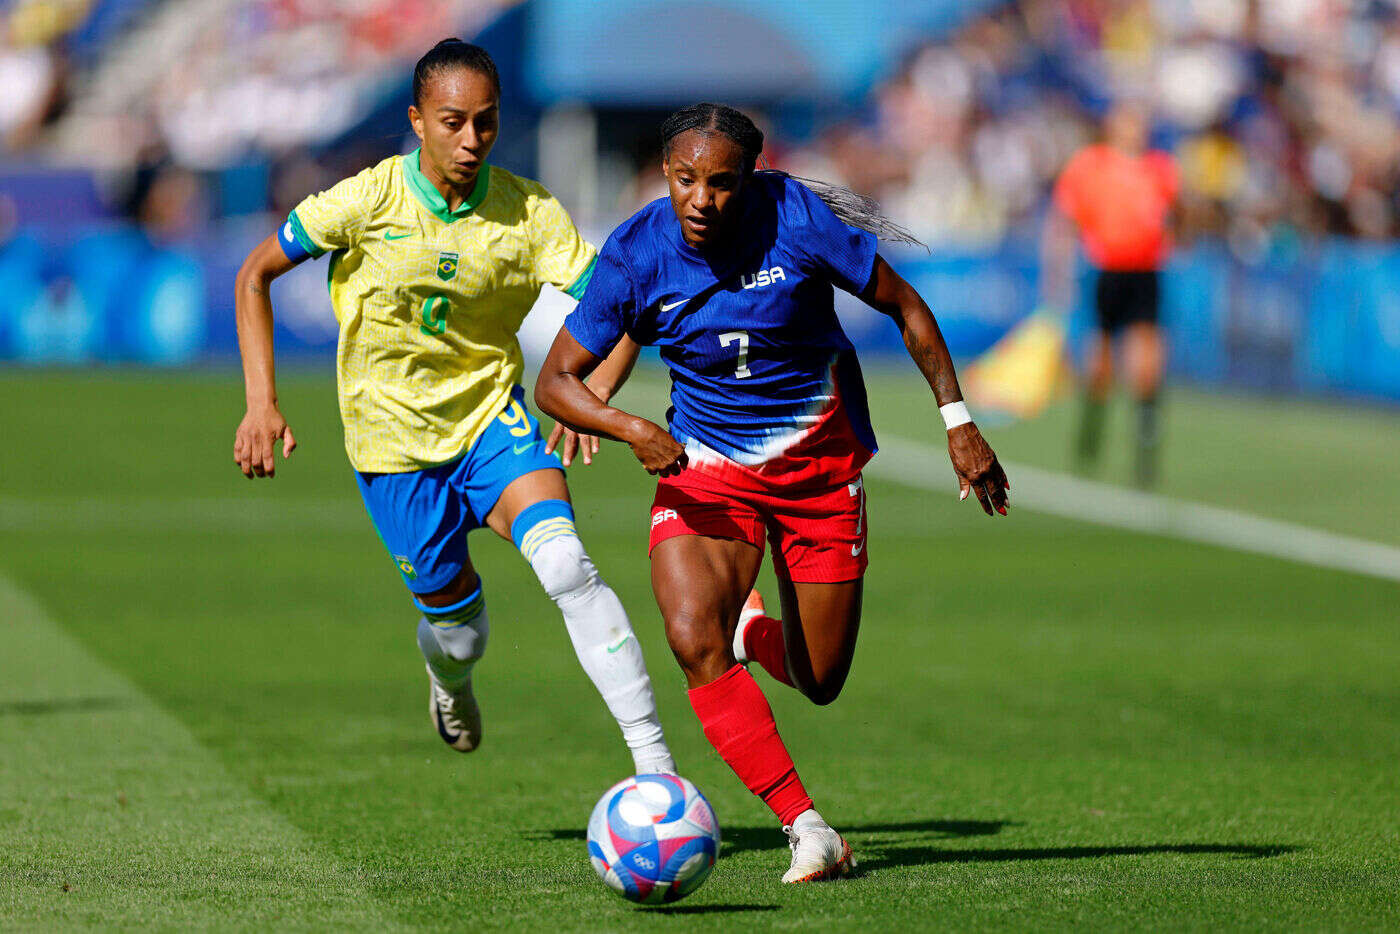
point(1024, 371)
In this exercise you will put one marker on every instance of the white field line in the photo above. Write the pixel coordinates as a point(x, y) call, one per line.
point(1058, 494)
point(911, 463)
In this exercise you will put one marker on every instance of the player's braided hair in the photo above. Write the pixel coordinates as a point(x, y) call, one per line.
point(449, 54)
point(852, 208)
point(716, 118)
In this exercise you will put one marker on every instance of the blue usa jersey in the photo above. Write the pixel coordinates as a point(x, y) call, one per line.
point(763, 379)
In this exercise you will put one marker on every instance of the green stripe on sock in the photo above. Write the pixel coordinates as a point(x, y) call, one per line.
point(459, 617)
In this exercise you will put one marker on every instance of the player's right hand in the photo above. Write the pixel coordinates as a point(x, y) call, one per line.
point(657, 450)
point(573, 444)
point(256, 439)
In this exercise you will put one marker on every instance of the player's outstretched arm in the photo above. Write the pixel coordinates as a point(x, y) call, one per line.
point(560, 393)
point(263, 425)
point(604, 381)
point(973, 459)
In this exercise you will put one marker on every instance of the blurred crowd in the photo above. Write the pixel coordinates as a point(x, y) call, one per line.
point(274, 75)
point(169, 95)
point(33, 68)
point(213, 81)
point(1282, 115)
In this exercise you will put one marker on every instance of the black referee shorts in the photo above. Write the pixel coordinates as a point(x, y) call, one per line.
point(1123, 298)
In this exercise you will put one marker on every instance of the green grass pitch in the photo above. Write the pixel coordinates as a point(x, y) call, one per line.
point(213, 712)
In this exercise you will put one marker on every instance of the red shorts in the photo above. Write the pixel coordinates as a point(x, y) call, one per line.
point(818, 535)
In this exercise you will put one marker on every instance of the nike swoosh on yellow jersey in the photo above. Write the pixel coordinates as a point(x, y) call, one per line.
point(389, 236)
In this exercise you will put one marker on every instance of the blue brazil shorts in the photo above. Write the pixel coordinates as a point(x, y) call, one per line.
point(424, 516)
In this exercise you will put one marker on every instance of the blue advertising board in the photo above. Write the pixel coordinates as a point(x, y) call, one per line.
point(1320, 317)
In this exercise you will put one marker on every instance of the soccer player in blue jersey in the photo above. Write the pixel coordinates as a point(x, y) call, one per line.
point(732, 279)
point(436, 257)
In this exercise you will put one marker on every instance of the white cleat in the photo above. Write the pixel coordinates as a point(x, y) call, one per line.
point(753, 609)
point(456, 716)
point(818, 853)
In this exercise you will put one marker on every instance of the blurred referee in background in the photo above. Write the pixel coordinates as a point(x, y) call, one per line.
point(1119, 197)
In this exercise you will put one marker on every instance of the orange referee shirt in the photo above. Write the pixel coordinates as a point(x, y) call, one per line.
point(1120, 204)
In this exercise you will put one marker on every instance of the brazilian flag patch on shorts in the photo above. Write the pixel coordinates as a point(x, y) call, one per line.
point(447, 266)
point(406, 567)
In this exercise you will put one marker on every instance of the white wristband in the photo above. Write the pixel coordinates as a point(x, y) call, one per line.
point(954, 414)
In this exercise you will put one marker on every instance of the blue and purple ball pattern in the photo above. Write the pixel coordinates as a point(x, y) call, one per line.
point(653, 838)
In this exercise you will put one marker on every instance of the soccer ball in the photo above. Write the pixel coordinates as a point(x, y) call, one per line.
point(653, 838)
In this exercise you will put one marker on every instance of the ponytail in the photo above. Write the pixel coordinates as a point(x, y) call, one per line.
point(856, 210)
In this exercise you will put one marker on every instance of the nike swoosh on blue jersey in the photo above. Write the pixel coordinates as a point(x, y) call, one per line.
point(674, 304)
point(522, 448)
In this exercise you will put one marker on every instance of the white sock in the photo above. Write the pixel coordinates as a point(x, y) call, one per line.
point(454, 639)
point(604, 643)
point(809, 820)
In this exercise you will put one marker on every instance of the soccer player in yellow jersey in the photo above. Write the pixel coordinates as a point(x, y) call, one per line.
point(436, 257)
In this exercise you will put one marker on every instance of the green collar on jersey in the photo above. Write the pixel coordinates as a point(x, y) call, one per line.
point(433, 200)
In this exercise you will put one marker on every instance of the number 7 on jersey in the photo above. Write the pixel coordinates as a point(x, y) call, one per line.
point(728, 337)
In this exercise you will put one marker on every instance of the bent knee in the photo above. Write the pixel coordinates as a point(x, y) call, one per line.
point(821, 687)
point(698, 641)
point(562, 566)
point(825, 692)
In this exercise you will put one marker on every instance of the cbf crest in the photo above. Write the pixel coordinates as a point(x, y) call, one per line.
point(447, 266)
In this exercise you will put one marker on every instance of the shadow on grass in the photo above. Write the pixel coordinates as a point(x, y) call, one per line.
point(707, 909)
point(769, 837)
point(887, 845)
point(924, 855)
point(63, 705)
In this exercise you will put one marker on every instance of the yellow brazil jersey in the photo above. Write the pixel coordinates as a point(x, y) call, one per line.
point(429, 302)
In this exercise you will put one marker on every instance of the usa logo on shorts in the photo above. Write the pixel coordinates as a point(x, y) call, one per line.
point(663, 515)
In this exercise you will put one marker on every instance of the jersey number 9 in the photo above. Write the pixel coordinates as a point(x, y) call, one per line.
point(434, 315)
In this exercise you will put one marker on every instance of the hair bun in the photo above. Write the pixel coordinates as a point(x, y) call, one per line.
point(453, 53)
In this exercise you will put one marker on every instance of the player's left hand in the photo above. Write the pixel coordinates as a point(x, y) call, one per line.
point(573, 444)
point(977, 468)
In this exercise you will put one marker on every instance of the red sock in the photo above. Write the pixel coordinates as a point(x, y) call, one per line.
point(763, 643)
point(739, 723)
